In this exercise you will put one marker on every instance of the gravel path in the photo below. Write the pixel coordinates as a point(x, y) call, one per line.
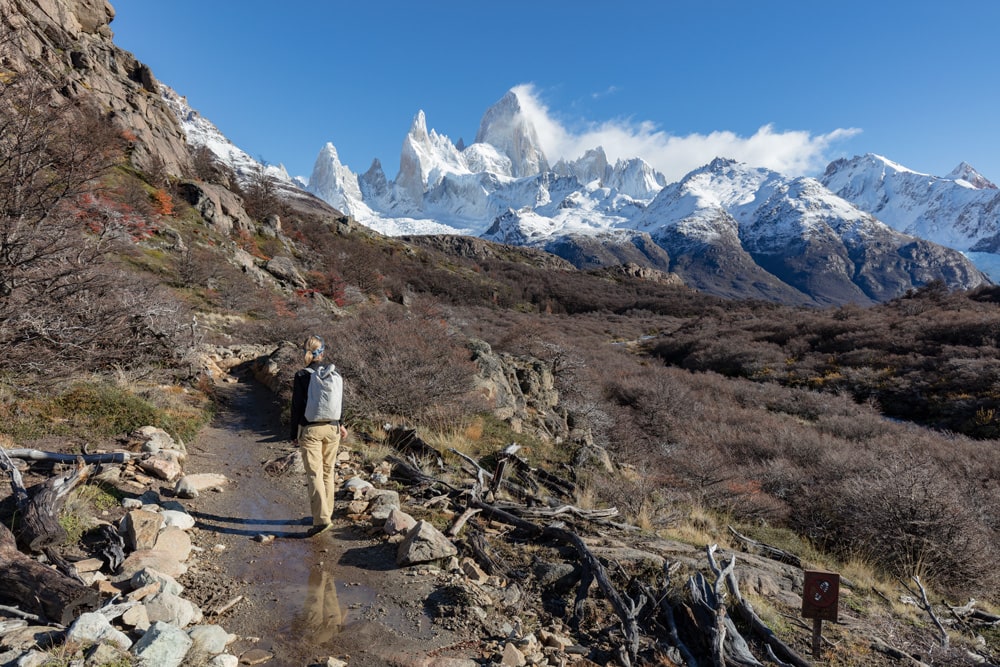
point(304, 599)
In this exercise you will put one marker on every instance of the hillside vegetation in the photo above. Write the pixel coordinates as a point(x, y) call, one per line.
point(846, 435)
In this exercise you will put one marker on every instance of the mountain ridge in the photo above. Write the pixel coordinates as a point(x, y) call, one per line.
point(501, 188)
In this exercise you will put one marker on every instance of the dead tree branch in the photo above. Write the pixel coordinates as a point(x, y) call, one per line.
point(926, 605)
point(767, 550)
point(39, 455)
point(626, 609)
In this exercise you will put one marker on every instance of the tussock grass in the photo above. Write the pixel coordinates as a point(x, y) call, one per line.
point(84, 507)
point(101, 408)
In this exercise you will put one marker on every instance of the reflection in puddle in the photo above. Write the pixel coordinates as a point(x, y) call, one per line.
point(321, 617)
point(323, 607)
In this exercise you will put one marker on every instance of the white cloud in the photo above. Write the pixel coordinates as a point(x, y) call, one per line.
point(794, 152)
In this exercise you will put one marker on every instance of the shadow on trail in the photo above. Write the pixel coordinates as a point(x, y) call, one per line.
point(377, 558)
point(248, 405)
point(230, 525)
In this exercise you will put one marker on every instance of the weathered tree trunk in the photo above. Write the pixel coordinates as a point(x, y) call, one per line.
point(40, 509)
point(626, 609)
point(40, 519)
point(41, 589)
point(39, 455)
point(780, 649)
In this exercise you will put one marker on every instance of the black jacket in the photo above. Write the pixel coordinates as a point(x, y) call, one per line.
point(300, 390)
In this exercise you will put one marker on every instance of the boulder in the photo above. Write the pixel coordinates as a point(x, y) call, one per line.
point(398, 522)
point(172, 609)
point(150, 576)
point(190, 486)
point(140, 528)
point(163, 645)
point(424, 543)
point(210, 639)
point(93, 628)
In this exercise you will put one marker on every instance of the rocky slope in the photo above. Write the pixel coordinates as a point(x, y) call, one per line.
point(70, 43)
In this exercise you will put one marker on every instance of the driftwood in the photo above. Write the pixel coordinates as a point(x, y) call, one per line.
point(40, 514)
point(968, 612)
point(882, 647)
point(784, 653)
point(406, 471)
point(767, 550)
point(222, 609)
point(626, 609)
point(552, 512)
point(39, 455)
point(483, 554)
point(14, 611)
point(708, 614)
point(41, 589)
point(478, 472)
point(460, 522)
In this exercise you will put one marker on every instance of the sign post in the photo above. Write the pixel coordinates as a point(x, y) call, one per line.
point(820, 596)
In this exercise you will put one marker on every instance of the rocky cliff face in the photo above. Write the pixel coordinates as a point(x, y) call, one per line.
point(69, 42)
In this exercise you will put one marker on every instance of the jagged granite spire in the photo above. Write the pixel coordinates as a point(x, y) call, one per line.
point(506, 127)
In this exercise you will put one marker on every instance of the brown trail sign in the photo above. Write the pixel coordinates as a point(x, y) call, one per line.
point(820, 597)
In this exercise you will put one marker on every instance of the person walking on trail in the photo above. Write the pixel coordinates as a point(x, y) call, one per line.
point(317, 400)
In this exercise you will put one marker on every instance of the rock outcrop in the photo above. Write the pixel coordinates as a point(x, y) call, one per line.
point(70, 43)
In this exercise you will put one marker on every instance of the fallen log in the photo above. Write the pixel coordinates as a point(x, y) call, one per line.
point(39, 455)
point(411, 473)
point(625, 608)
point(460, 522)
point(892, 652)
point(552, 512)
point(767, 550)
point(40, 589)
point(40, 515)
point(540, 476)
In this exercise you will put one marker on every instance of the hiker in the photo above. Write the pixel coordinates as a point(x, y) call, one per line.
point(317, 393)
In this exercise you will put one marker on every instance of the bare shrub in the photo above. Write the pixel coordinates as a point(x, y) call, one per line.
point(905, 515)
point(405, 363)
point(64, 303)
point(260, 193)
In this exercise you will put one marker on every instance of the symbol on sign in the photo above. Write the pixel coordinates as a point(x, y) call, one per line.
point(818, 591)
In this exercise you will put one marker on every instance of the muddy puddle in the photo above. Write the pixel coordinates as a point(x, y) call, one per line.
point(303, 599)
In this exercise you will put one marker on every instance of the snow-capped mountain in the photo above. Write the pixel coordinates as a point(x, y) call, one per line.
point(441, 188)
point(960, 210)
point(727, 219)
point(726, 228)
point(201, 132)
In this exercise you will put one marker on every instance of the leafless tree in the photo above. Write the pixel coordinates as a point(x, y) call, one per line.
point(62, 300)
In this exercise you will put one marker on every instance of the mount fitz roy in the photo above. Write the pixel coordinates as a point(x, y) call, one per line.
point(867, 232)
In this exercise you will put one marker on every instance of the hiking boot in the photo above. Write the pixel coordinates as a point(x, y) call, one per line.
point(316, 530)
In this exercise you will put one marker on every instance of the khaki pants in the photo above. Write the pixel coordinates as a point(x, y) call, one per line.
point(319, 444)
point(322, 616)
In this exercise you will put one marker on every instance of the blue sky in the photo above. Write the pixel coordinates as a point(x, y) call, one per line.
point(787, 85)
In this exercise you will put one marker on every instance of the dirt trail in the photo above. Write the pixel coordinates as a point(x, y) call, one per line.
point(305, 599)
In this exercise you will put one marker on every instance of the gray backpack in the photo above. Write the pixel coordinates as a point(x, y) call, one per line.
point(325, 397)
